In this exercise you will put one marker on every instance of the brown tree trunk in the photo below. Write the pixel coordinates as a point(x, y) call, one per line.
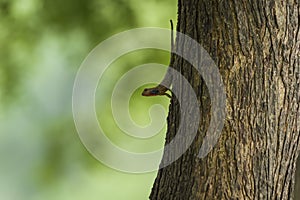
point(255, 45)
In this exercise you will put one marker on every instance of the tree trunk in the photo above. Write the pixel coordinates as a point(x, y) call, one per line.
point(255, 45)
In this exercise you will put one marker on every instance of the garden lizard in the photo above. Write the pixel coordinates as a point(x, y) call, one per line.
point(163, 87)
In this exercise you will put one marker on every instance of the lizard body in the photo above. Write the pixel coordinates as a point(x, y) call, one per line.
point(165, 84)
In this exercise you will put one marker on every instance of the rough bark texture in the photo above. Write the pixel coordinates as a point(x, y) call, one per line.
point(256, 45)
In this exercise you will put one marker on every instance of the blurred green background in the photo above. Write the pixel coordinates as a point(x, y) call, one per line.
point(42, 45)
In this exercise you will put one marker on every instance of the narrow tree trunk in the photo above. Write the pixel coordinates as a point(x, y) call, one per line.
point(255, 45)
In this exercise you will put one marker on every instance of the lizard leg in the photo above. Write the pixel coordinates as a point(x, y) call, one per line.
point(167, 95)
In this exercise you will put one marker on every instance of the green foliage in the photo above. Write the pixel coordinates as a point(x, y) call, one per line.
point(42, 45)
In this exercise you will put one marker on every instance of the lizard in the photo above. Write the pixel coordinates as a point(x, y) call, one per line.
point(162, 88)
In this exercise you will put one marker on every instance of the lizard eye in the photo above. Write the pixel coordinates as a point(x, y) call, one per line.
point(154, 91)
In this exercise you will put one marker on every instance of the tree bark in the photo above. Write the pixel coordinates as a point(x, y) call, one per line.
point(255, 45)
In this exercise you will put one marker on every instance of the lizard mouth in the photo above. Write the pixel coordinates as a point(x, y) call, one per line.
point(147, 94)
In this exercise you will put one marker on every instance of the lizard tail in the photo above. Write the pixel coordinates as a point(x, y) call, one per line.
point(172, 42)
point(167, 80)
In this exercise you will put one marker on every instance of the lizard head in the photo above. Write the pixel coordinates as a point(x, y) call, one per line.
point(150, 92)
